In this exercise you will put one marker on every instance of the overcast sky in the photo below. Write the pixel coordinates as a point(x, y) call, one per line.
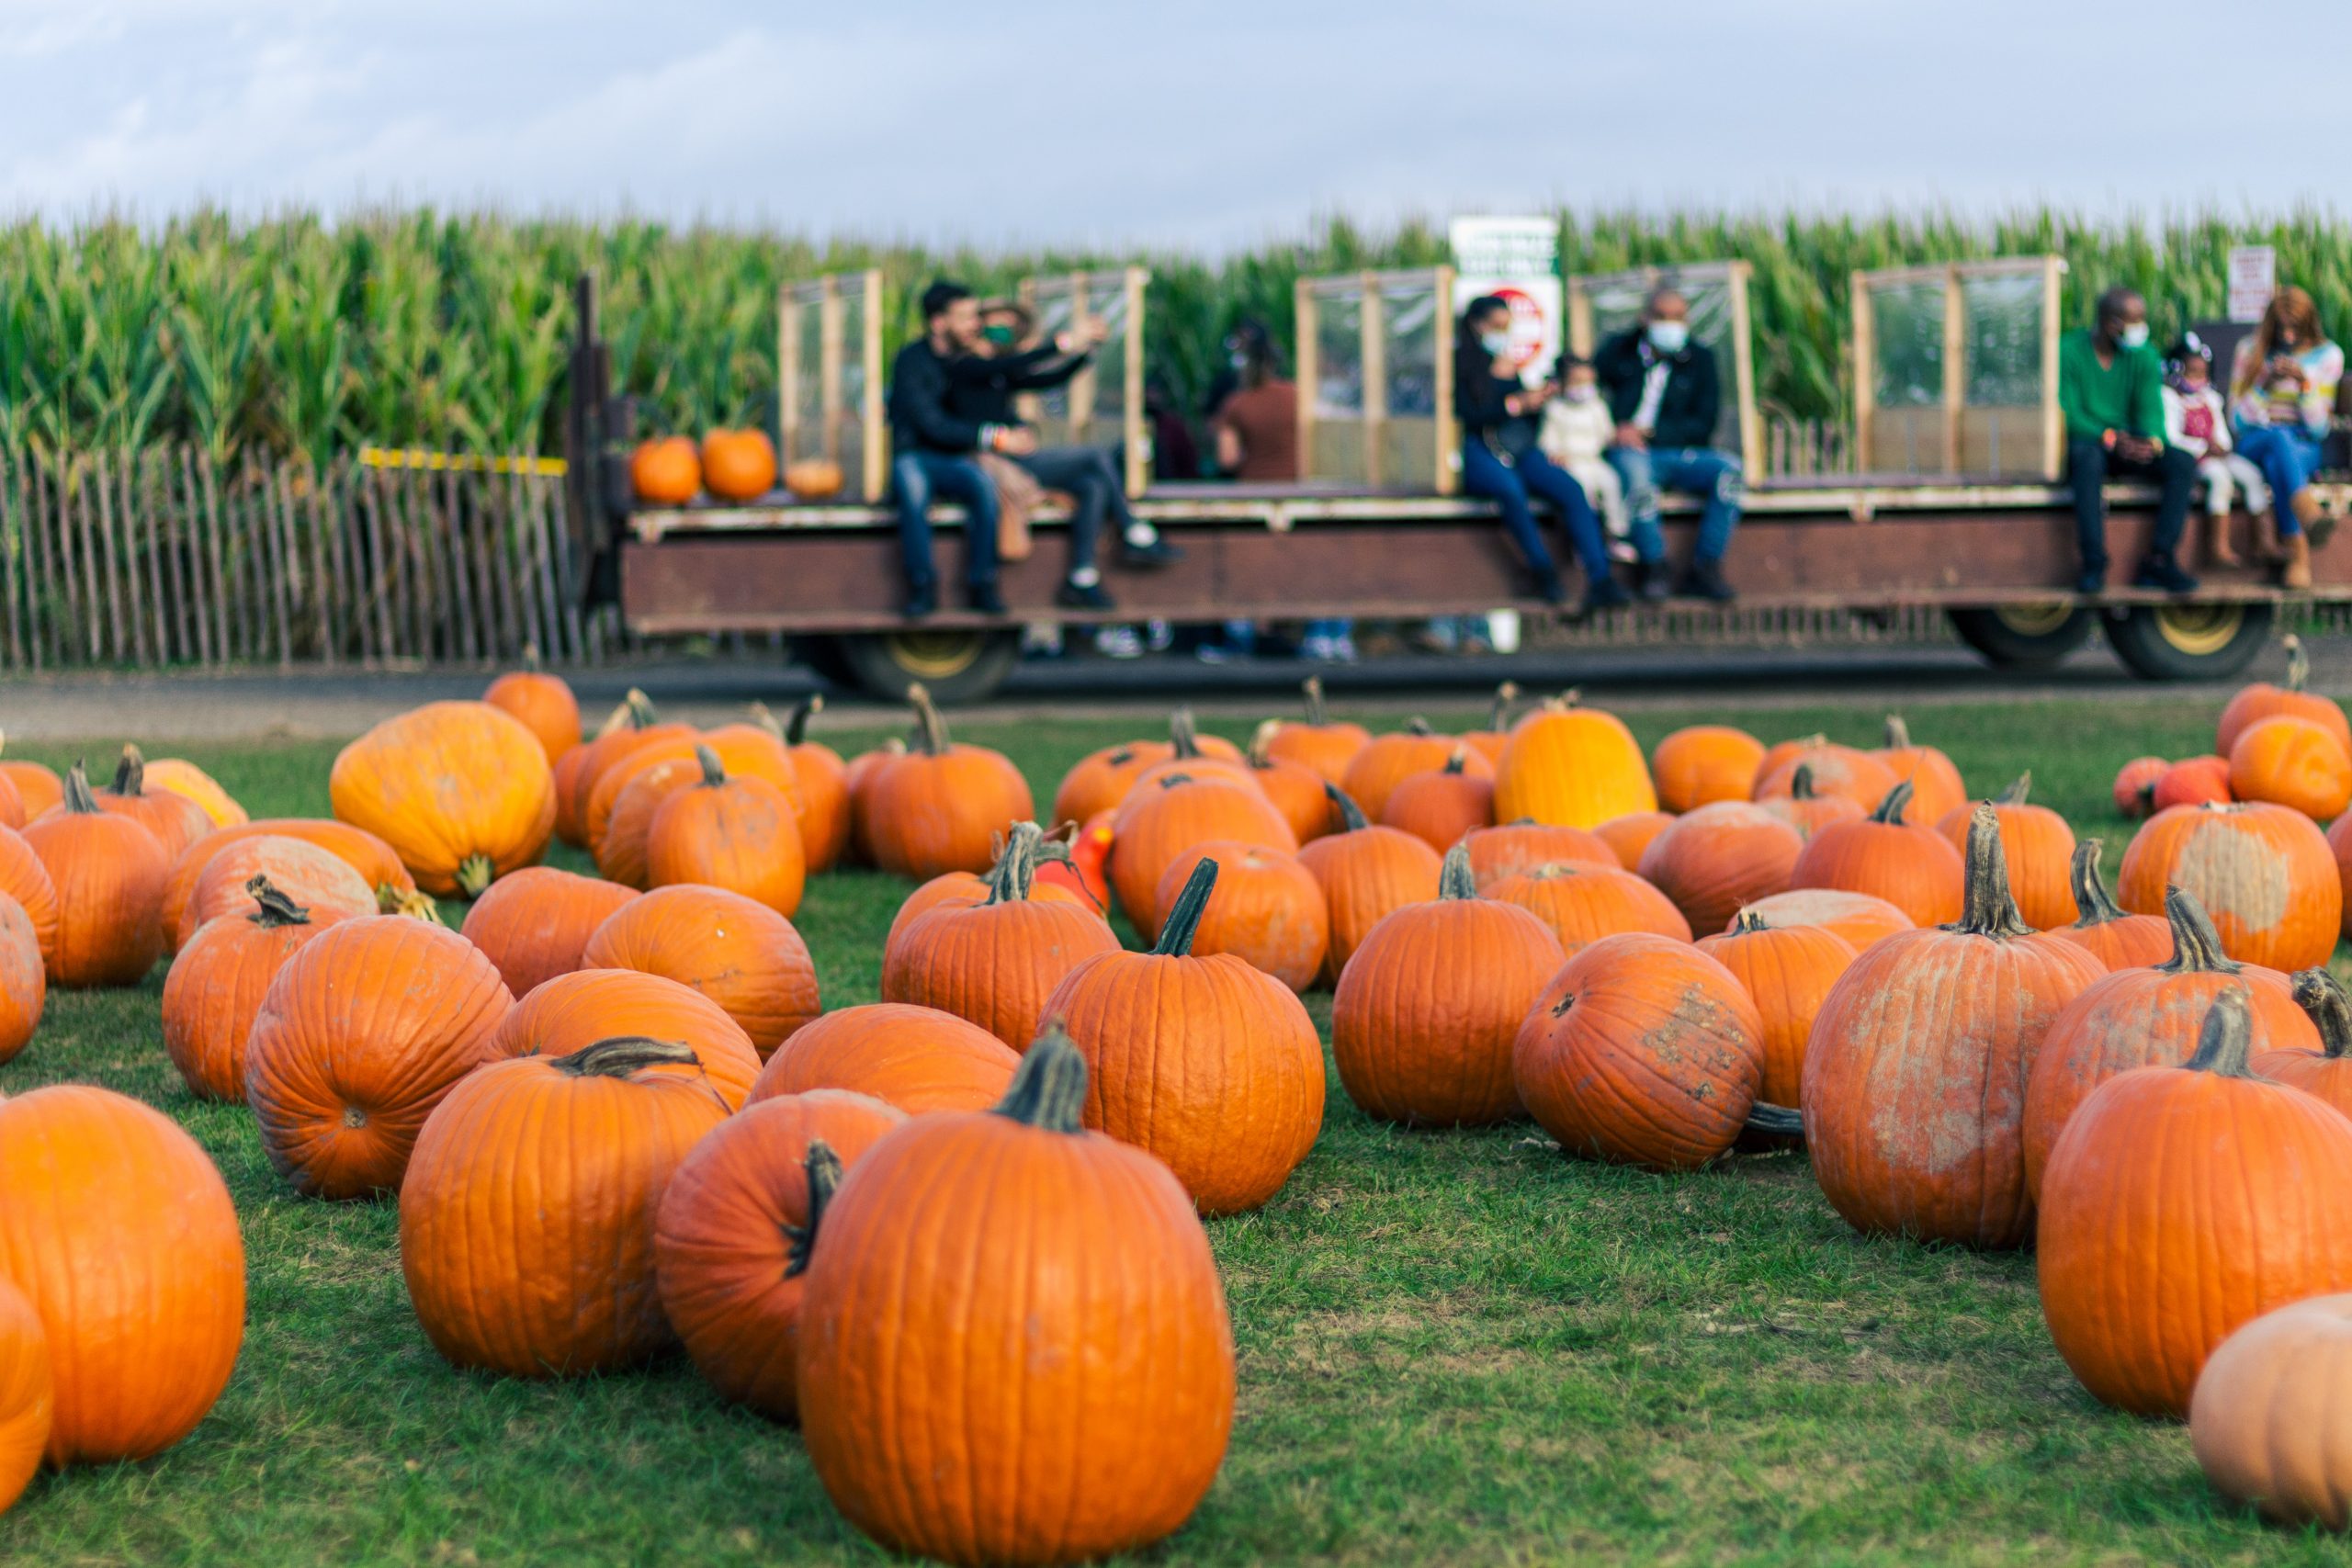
point(1205, 123)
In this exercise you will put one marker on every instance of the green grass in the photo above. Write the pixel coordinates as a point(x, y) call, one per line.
point(1453, 1347)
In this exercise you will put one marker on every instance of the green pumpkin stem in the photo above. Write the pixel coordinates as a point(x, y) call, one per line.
point(714, 772)
point(623, 1055)
point(1016, 869)
point(2227, 1038)
point(1454, 878)
point(931, 731)
point(796, 728)
point(1801, 782)
point(1352, 817)
point(475, 873)
point(1988, 910)
point(1505, 698)
point(78, 797)
point(2299, 663)
point(2097, 905)
point(130, 774)
point(1183, 734)
point(1417, 724)
point(1048, 1090)
point(639, 709)
point(1317, 714)
point(2019, 788)
point(1891, 809)
point(277, 908)
point(1775, 1120)
point(1184, 916)
point(1456, 763)
point(2196, 945)
point(2322, 995)
point(823, 1169)
point(1898, 734)
point(1261, 744)
point(1747, 920)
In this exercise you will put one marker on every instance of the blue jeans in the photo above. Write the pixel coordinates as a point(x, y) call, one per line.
point(2288, 456)
point(1687, 470)
point(1508, 485)
point(919, 476)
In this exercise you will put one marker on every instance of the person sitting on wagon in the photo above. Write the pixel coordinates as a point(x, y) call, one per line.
point(1501, 461)
point(2283, 393)
point(2196, 423)
point(935, 448)
point(1575, 435)
point(1663, 393)
point(2110, 391)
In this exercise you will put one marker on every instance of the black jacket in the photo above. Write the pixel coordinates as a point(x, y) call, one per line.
point(1693, 399)
point(921, 419)
point(1479, 397)
point(983, 386)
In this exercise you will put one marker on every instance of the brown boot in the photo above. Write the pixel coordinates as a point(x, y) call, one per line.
point(2265, 537)
point(2297, 572)
point(2217, 545)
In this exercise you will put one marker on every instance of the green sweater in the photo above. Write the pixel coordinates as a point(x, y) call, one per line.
point(2126, 396)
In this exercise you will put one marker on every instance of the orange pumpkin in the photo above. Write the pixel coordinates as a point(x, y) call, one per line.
point(23, 878)
point(24, 986)
point(737, 1225)
point(535, 924)
point(1787, 971)
point(38, 788)
point(174, 819)
point(2119, 940)
point(823, 779)
point(1100, 781)
point(1861, 919)
point(962, 889)
point(1365, 872)
point(1915, 1072)
point(2138, 1018)
point(119, 1232)
point(2135, 785)
point(919, 1256)
point(2320, 1067)
point(1628, 836)
point(863, 770)
point(630, 725)
point(1935, 785)
point(573, 1011)
point(738, 465)
point(741, 954)
point(1392, 759)
point(1172, 814)
point(2039, 848)
point(741, 834)
point(184, 778)
point(1857, 775)
point(2267, 1418)
point(1720, 857)
point(1295, 789)
point(1440, 808)
point(1268, 910)
point(542, 703)
point(460, 790)
point(1423, 1020)
point(1911, 867)
point(1198, 1058)
point(665, 471)
point(363, 1032)
point(2263, 871)
point(363, 852)
point(1642, 1050)
point(2195, 781)
point(2169, 1186)
point(1807, 812)
point(1189, 751)
point(620, 848)
point(813, 478)
point(1582, 903)
point(939, 807)
point(28, 1393)
point(215, 989)
point(1704, 764)
point(322, 884)
point(1321, 743)
point(1499, 852)
point(2255, 702)
point(1573, 765)
point(527, 1221)
point(743, 748)
point(916, 1058)
point(2293, 762)
point(107, 873)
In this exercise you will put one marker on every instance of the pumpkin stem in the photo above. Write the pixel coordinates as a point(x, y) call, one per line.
point(1454, 763)
point(623, 1055)
point(1505, 698)
point(931, 731)
point(714, 772)
point(1417, 724)
point(1048, 1090)
point(416, 904)
point(823, 1169)
point(2196, 945)
point(2228, 1035)
point(1891, 809)
point(2322, 996)
point(1898, 734)
point(1184, 916)
point(531, 659)
point(1801, 782)
point(1261, 744)
point(2299, 663)
point(475, 873)
point(763, 716)
point(2020, 787)
point(796, 728)
point(77, 790)
point(1016, 869)
point(1352, 817)
point(1989, 909)
point(1747, 920)
point(613, 721)
point(1775, 1120)
point(277, 908)
point(1316, 715)
point(1183, 734)
point(130, 774)
point(1454, 878)
point(2091, 897)
point(640, 708)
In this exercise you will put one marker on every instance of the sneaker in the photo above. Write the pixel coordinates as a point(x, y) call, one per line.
point(923, 598)
point(1550, 589)
point(1150, 557)
point(1327, 651)
point(1119, 642)
point(2161, 572)
point(1217, 653)
point(1705, 580)
point(1343, 648)
point(1159, 635)
point(1623, 552)
point(1604, 593)
point(983, 598)
point(1654, 582)
point(1084, 596)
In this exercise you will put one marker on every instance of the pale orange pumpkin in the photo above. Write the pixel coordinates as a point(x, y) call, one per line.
point(1573, 765)
point(462, 790)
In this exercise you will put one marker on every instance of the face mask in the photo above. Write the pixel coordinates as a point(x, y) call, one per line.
point(2133, 337)
point(1493, 343)
point(999, 336)
point(1667, 337)
point(1238, 359)
point(1580, 394)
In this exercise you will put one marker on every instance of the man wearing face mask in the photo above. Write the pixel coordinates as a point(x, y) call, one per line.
point(1663, 392)
point(2111, 390)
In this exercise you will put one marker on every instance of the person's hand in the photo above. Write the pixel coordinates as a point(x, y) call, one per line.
point(2138, 448)
point(1018, 441)
point(1536, 397)
point(1630, 434)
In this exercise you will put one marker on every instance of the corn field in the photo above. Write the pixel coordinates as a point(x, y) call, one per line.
point(297, 337)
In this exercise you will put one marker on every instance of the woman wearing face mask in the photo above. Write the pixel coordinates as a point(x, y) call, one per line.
point(1502, 462)
point(2282, 394)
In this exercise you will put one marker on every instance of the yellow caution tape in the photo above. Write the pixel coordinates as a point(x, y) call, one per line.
point(462, 462)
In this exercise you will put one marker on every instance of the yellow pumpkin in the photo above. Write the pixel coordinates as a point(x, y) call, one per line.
point(461, 791)
point(1571, 767)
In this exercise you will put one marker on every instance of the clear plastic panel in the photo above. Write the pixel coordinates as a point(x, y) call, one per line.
point(1054, 305)
point(1408, 458)
point(808, 437)
point(1908, 320)
point(1106, 302)
point(2004, 335)
point(1338, 356)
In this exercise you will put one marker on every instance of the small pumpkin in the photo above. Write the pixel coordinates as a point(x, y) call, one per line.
point(863, 770)
point(813, 478)
point(1582, 903)
point(743, 749)
point(916, 1058)
point(542, 703)
point(1858, 775)
point(1808, 812)
point(1365, 872)
point(2261, 700)
point(1189, 751)
point(1392, 759)
point(2323, 1070)
point(741, 834)
point(462, 790)
point(2292, 762)
point(1505, 850)
point(23, 878)
point(1720, 857)
point(1911, 867)
point(24, 986)
point(1438, 807)
point(741, 954)
point(631, 724)
point(939, 807)
point(1172, 814)
point(1100, 780)
point(2040, 851)
point(1628, 836)
point(619, 849)
point(38, 787)
point(535, 925)
point(107, 873)
point(2269, 1420)
point(1703, 763)
point(1935, 785)
point(2117, 940)
point(1861, 920)
point(962, 889)
point(184, 778)
point(823, 778)
point(2263, 871)
point(2197, 781)
point(174, 819)
point(215, 989)
point(665, 471)
point(1320, 742)
point(1787, 971)
point(28, 1393)
point(1574, 765)
point(368, 855)
point(2135, 786)
point(738, 465)
point(323, 884)
point(1295, 789)
point(573, 1011)
point(1268, 910)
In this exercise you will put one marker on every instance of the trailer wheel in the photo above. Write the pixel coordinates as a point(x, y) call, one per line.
point(2191, 642)
point(957, 666)
point(2023, 636)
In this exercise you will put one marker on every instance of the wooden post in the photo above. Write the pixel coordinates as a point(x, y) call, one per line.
point(1743, 358)
point(1580, 318)
point(15, 529)
point(34, 578)
point(1865, 352)
point(1372, 355)
point(829, 365)
point(2053, 422)
point(1136, 438)
point(1081, 386)
point(1449, 434)
point(1955, 365)
point(1305, 314)
point(138, 547)
point(788, 374)
point(876, 449)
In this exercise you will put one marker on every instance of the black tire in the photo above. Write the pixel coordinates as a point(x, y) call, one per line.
point(2191, 642)
point(823, 657)
point(956, 666)
point(2023, 636)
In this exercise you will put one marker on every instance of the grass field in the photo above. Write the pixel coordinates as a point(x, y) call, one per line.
point(1453, 1347)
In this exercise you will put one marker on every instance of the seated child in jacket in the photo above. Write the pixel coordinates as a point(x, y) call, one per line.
point(2197, 421)
point(1575, 431)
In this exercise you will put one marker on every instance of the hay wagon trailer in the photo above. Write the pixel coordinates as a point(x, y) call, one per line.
point(1953, 503)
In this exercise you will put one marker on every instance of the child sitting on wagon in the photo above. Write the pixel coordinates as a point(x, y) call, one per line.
point(1575, 432)
point(2197, 420)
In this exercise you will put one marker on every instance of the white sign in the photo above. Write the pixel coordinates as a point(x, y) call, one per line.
point(1518, 259)
point(2254, 277)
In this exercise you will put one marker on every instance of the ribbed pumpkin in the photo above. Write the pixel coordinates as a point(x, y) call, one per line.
point(1189, 751)
point(665, 471)
point(2041, 852)
point(2293, 762)
point(1365, 872)
point(573, 1011)
point(182, 777)
point(1325, 745)
point(916, 1058)
point(2269, 1420)
point(1643, 1051)
point(739, 1222)
point(1861, 920)
point(1935, 785)
point(1628, 836)
point(24, 985)
point(741, 834)
point(2151, 1017)
point(938, 808)
point(2135, 785)
point(107, 873)
point(1295, 789)
point(2181, 1203)
point(1583, 903)
point(824, 790)
point(215, 989)
point(621, 849)
point(120, 1232)
point(863, 770)
point(28, 1393)
point(360, 1035)
point(2117, 940)
point(307, 874)
point(1393, 758)
point(11, 805)
point(1100, 780)
point(993, 1287)
point(1859, 776)
point(1571, 765)
point(174, 819)
point(1720, 857)
point(527, 1221)
point(535, 925)
point(1438, 807)
point(1172, 814)
point(542, 703)
point(2323, 1070)
point(962, 889)
point(1424, 1019)
point(738, 465)
point(1505, 850)
point(996, 963)
point(1911, 867)
point(1199, 1059)
point(1808, 812)
point(741, 954)
point(2261, 700)
point(2197, 781)
point(1787, 971)
point(631, 724)
point(743, 749)
point(38, 787)
point(26, 880)
point(1268, 910)
point(2263, 871)
point(460, 790)
point(1915, 1074)
point(2339, 845)
point(363, 852)
point(1704, 764)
